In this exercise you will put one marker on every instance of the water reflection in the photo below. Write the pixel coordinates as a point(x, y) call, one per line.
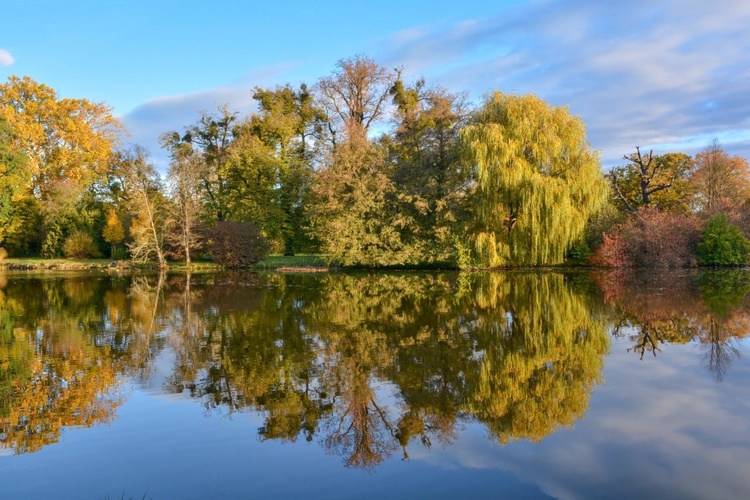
point(654, 310)
point(57, 366)
point(370, 366)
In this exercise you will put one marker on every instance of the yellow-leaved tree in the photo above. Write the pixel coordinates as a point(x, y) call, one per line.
point(64, 139)
point(537, 180)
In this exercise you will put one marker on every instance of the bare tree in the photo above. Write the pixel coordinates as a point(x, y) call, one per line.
point(148, 205)
point(355, 94)
point(185, 185)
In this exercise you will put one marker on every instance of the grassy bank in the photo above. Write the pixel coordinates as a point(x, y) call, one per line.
point(309, 263)
point(39, 264)
point(272, 262)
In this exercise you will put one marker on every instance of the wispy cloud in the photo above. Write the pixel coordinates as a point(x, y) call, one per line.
point(639, 73)
point(6, 58)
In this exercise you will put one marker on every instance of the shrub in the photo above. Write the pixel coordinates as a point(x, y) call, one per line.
point(651, 239)
point(119, 253)
point(236, 244)
point(80, 245)
point(722, 244)
point(3, 253)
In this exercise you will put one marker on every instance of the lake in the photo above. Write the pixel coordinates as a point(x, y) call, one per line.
point(375, 385)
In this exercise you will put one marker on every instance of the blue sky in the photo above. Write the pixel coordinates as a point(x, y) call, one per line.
point(669, 75)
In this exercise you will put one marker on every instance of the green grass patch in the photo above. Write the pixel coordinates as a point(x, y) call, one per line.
point(292, 262)
point(39, 263)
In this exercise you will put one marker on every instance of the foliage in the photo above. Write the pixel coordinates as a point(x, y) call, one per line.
point(63, 139)
point(253, 172)
point(354, 218)
point(212, 136)
point(67, 209)
point(364, 167)
point(236, 244)
point(652, 180)
point(651, 238)
point(113, 230)
point(537, 181)
point(3, 254)
point(13, 178)
point(720, 181)
point(722, 244)
point(80, 245)
point(290, 123)
point(429, 178)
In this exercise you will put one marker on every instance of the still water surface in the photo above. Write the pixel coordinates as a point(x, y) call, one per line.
point(525, 385)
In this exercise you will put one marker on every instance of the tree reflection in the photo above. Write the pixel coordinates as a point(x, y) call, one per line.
point(368, 365)
point(542, 350)
point(376, 363)
point(63, 345)
point(707, 306)
point(51, 374)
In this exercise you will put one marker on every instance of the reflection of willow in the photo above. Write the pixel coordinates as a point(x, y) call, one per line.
point(541, 351)
point(656, 309)
point(52, 372)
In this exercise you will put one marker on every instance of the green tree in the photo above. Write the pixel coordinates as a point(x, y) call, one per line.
point(68, 209)
point(537, 181)
point(290, 123)
point(213, 136)
point(722, 244)
point(354, 216)
point(252, 173)
point(428, 175)
point(652, 180)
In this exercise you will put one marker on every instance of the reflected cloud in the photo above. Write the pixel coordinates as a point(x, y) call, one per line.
point(651, 434)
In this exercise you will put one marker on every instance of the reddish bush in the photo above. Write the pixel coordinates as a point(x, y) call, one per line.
point(236, 244)
point(651, 239)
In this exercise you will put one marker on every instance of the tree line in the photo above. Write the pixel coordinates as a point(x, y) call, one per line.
point(363, 167)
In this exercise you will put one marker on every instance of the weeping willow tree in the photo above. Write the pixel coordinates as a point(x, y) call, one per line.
point(538, 182)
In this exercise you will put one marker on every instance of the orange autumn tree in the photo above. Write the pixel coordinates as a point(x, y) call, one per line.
point(64, 139)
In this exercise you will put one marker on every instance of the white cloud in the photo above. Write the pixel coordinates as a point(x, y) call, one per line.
point(162, 114)
point(6, 59)
point(641, 73)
